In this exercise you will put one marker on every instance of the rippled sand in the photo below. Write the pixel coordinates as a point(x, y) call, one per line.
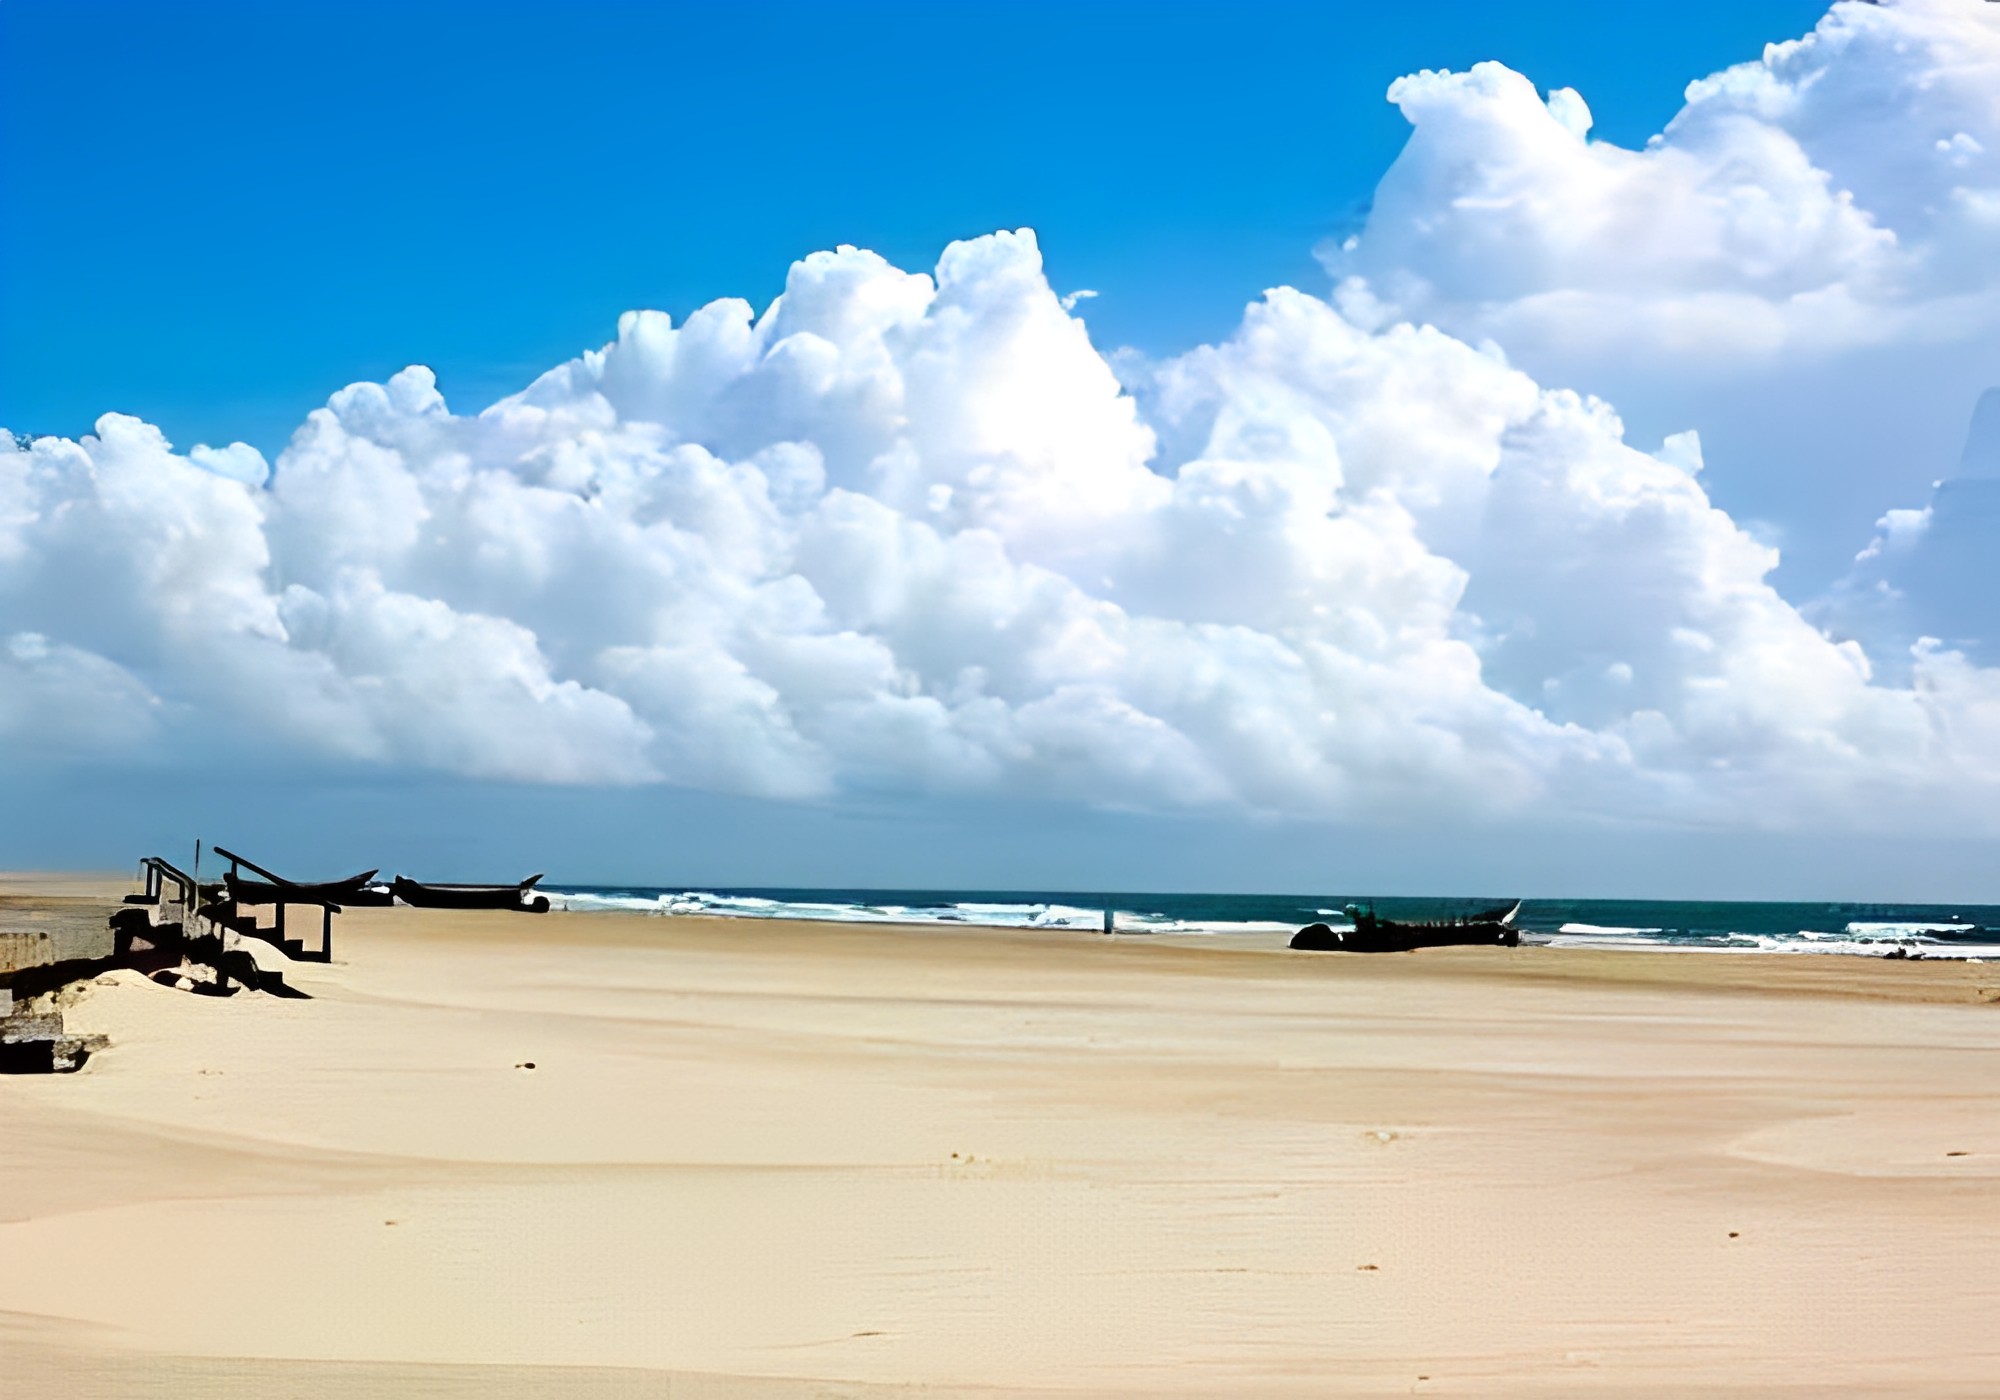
point(801, 1160)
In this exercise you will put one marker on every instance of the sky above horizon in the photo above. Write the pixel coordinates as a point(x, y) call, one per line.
point(251, 205)
point(964, 498)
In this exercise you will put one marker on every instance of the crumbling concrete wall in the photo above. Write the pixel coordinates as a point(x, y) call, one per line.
point(36, 937)
point(25, 949)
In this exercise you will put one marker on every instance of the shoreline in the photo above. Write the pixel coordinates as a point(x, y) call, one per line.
point(1940, 980)
point(1962, 933)
point(758, 1157)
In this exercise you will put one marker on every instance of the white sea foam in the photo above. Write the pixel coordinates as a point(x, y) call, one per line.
point(1863, 938)
point(621, 903)
point(1024, 915)
point(1608, 940)
point(974, 913)
point(1899, 930)
point(1805, 942)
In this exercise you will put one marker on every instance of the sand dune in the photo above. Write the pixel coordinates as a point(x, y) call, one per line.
point(810, 1160)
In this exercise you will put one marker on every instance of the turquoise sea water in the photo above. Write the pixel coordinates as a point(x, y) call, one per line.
point(1929, 930)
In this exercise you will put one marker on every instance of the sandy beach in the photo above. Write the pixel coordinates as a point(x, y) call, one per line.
point(618, 1155)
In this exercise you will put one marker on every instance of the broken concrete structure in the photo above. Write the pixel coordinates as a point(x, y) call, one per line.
point(41, 940)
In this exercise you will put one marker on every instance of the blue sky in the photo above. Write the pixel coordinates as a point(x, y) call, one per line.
point(238, 208)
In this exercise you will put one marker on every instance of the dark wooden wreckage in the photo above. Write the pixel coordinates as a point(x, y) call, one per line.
point(521, 898)
point(1373, 934)
point(237, 893)
point(352, 890)
point(356, 891)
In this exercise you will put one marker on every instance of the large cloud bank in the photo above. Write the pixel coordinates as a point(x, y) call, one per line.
point(1928, 573)
point(1805, 262)
point(913, 534)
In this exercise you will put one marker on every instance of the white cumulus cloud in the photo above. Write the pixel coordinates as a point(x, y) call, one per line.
point(1378, 555)
point(1926, 577)
point(1805, 263)
point(913, 535)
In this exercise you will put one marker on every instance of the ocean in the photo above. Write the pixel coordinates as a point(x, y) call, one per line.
point(1903, 930)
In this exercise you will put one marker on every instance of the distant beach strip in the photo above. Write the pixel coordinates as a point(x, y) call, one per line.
point(1969, 932)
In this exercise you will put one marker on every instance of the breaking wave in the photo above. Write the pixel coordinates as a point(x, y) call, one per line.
point(1855, 930)
point(977, 913)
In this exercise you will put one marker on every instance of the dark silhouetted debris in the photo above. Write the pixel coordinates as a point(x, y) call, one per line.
point(1373, 934)
point(520, 898)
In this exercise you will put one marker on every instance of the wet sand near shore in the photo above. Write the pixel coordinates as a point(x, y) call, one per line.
point(781, 1159)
